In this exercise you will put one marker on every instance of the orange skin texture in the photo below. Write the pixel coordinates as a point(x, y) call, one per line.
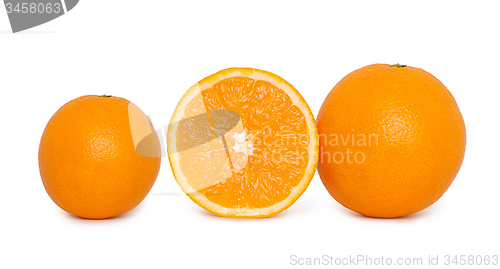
point(417, 151)
point(87, 159)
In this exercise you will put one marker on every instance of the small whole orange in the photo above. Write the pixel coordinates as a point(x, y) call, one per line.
point(90, 156)
point(392, 140)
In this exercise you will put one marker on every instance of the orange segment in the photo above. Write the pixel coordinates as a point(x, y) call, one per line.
point(243, 143)
point(230, 193)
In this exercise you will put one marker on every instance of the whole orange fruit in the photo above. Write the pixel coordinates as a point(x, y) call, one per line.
point(99, 156)
point(392, 139)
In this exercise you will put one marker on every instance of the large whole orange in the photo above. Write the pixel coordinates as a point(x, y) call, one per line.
point(392, 140)
point(99, 156)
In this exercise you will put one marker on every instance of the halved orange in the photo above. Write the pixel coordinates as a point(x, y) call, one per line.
point(243, 143)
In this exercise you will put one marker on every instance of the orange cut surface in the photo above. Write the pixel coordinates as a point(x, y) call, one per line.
point(243, 143)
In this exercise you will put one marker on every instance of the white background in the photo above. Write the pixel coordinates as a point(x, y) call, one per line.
point(151, 52)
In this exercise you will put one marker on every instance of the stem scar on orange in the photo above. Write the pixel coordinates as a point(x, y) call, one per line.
point(99, 156)
point(392, 140)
